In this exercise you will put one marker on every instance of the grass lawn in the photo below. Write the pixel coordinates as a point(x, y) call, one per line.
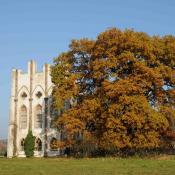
point(99, 166)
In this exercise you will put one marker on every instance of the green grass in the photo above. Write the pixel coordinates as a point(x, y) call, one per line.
point(99, 166)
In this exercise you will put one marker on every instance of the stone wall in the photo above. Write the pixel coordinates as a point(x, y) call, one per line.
point(28, 93)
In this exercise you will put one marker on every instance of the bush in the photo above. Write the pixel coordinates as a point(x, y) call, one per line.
point(29, 144)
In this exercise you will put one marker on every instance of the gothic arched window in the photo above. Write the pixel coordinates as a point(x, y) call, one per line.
point(38, 116)
point(23, 117)
point(38, 144)
point(53, 143)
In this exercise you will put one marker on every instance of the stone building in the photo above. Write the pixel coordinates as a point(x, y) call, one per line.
point(30, 109)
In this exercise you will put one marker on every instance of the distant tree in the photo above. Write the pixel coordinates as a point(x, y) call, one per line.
point(121, 87)
point(29, 144)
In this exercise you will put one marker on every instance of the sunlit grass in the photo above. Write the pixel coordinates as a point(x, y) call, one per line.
point(99, 166)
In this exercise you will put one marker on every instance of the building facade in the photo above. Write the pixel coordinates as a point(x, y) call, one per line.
point(30, 109)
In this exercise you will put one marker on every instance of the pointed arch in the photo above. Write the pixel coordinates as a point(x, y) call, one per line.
point(53, 144)
point(39, 87)
point(23, 89)
point(38, 144)
point(38, 116)
point(23, 117)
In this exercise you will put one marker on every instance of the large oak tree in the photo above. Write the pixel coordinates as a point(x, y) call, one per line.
point(121, 87)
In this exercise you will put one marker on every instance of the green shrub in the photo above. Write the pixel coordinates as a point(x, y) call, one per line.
point(29, 144)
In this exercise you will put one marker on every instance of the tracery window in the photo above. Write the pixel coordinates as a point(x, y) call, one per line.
point(23, 95)
point(39, 94)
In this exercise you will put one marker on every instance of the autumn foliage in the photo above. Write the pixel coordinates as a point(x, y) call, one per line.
point(121, 89)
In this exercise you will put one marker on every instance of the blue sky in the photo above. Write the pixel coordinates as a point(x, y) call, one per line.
point(42, 29)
